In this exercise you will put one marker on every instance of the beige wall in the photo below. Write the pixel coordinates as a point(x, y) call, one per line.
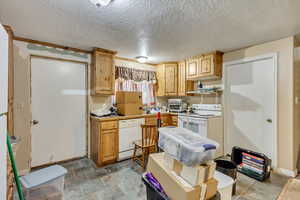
point(297, 107)
point(284, 48)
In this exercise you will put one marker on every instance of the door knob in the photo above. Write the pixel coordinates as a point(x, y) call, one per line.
point(35, 122)
point(269, 120)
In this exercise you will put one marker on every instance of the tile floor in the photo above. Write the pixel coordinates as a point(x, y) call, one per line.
point(122, 181)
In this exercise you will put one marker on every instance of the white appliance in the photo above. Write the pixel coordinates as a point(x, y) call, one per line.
point(3, 109)
point(206, 120)
point(176, 105)
point(129, 131)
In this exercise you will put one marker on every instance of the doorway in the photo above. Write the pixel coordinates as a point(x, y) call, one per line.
point(250, 105)
point(59, 110)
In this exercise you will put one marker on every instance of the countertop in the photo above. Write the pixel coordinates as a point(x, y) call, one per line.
point(112, 118)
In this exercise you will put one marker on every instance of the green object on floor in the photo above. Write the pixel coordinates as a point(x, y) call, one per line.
point(13, 163)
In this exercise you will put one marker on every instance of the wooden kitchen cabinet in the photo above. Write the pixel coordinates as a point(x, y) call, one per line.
point(192, 68)
point(165, 120)
point(171, 79)
point(108, 148)
point(211, 66)
point(205, 67)
point(167, 79)
point(104, 141)
point(174, 120)
point(103, 72)
point(160, 75)
point(184, 85)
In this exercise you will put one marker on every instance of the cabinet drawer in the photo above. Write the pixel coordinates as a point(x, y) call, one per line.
point(109, 125)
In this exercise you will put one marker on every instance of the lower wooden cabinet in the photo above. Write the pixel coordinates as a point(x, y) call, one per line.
point(174, 120)
point(104, 141)
point(109, 150)
point(165, 120)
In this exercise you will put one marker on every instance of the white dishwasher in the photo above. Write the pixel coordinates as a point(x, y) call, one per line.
point(129, 131)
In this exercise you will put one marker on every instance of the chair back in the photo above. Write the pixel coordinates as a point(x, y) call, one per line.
point(149, 135)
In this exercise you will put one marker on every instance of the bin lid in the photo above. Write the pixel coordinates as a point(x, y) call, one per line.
point(223, 180)
point(42, 176)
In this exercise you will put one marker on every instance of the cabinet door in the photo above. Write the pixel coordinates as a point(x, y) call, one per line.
point(206, 65)
point(171, 79)
point(109, 142)
point(192, 68)
point(160, 80)
point(104, 72)
point(174, 120)
point(181, 79)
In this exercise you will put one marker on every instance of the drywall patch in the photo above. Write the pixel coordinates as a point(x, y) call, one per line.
point(35, 47)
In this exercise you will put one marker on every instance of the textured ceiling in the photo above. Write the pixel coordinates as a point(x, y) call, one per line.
point(163, 30)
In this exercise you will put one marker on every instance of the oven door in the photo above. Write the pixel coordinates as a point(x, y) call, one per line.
point(197, 125)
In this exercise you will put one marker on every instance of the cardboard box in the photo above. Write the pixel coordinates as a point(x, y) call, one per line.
point(193, 175)
point(123, 97)
point(130, 109)
point(176, 187)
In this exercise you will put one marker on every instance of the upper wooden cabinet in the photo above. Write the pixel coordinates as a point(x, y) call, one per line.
point(171, 79)
point(205, 67)
point(160, 75)
point(184, 85)
point(192, 67)
point(103, 72)
point(167, 79)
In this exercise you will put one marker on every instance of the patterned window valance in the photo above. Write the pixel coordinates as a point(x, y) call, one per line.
point(135, 74)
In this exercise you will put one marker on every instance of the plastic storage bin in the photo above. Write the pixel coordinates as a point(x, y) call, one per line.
point(225, 184)
point(186, 146)
point(44, 184)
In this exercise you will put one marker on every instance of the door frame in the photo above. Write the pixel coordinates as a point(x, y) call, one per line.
point(31, 56)
point(274, 57)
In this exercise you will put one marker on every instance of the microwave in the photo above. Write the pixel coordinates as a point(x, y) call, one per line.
point(176, 105)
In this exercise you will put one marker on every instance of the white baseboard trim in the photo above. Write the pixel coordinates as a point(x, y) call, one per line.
point(287, 172)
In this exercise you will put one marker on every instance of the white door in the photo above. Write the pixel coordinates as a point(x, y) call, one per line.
point(250, 105)
point(58, 110)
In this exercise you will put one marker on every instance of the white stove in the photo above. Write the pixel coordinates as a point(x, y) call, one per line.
point(207, 110)
point(205, 120)
point(197, 119)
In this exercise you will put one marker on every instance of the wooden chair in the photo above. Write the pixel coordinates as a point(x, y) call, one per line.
point(147, 144)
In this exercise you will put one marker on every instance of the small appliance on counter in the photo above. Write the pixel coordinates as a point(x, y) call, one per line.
point(177, 105)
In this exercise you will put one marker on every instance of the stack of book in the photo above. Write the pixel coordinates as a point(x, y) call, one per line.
point(252, 165)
